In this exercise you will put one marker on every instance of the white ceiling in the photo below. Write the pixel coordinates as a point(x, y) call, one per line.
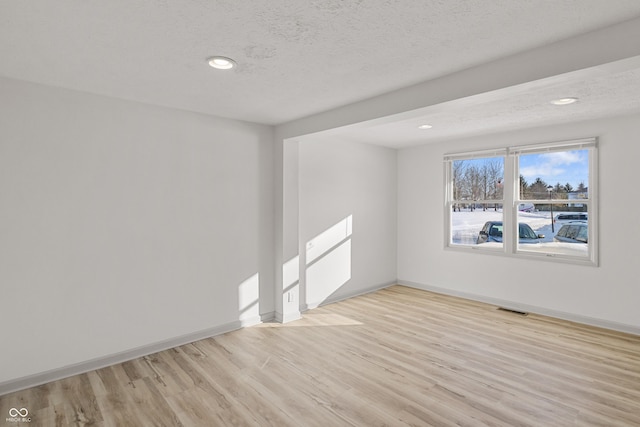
point(601, 96)
point(299, 58)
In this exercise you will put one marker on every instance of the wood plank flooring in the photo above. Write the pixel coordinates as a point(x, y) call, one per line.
point(396, 357)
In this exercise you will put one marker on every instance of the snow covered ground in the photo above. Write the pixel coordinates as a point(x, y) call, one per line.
point(466, 225)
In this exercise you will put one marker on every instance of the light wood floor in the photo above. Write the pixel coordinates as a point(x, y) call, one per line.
point(395, 357)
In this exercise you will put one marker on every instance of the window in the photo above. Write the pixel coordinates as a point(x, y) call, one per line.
point(515, 201)
point(476, 204)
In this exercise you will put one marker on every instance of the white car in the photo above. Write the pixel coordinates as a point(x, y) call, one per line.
point(570, 216)
point(526, 207)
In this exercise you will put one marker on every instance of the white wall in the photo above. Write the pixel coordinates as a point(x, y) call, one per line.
point(347, 219)
point(124, 224)
point(606, 295)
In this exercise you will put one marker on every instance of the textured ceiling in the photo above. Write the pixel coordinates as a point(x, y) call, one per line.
point(296, 58)
point(603, 96)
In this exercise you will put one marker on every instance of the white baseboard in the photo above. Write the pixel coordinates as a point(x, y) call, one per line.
point(112, 359)
point(586, 320)
point(287, 317)
point(101, 362)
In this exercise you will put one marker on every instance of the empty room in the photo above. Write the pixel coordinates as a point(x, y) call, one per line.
point(319, 213)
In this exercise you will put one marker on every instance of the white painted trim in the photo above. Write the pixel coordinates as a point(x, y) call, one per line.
point(101, 362)
point(134, 353)
point(287, 317)
point(585, 320)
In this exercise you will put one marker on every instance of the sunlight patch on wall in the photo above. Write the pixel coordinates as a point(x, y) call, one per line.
point(249, 299)
point(324, 241)
point(328, 262)
point(290, 273)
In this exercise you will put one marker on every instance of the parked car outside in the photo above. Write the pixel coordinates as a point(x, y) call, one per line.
point(573, 232)
point(574, 216)
point(492, 232)
point(526, 207)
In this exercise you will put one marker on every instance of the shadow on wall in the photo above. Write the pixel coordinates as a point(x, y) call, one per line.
point(328, 258)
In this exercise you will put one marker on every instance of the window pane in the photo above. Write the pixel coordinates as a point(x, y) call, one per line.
point(477, 225)
point(556, 175)
point(568, 234)
point(477, 179)
point(477, 201)
point(546, 181)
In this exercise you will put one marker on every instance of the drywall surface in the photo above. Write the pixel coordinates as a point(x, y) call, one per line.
point(552, 63)
point(608, 293)
point(124, 224)
point(347, 219)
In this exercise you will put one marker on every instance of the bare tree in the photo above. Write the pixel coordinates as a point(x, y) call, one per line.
point(492, 172)
point(458, 182)
point(474, 181)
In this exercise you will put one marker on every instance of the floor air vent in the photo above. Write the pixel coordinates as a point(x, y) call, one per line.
point(521, 313)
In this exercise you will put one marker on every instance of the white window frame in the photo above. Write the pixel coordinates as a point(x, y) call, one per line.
point(511, 200)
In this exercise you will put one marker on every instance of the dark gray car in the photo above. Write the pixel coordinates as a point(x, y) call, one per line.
point(492, 232)
point(573, 232)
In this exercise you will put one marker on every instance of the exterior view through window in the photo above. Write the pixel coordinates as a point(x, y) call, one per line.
point(524, 201)
point(477, 213)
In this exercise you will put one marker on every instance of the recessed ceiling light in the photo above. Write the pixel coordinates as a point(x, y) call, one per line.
point(564, 101)
point(425, 127)
point(221, 62)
